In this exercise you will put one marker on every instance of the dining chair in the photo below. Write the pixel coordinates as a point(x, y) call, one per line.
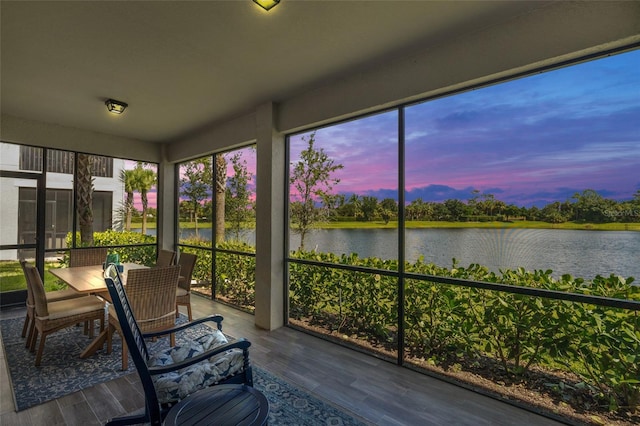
point(187, 262)
point(50, 317)
point(87, 256)
point(172, 374)
point(52, 296)
point(152, 296)
point(166, 257)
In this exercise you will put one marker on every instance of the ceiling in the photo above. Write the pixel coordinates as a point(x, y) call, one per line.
point(183, 65)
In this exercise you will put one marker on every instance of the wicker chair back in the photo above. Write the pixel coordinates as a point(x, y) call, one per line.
point(87, 256)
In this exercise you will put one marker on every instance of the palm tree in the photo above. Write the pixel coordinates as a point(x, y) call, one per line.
point(127, 177)
point(145, 180)
point(221, 190)
point(84, 198)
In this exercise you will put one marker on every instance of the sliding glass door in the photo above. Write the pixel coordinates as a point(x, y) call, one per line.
point(22, 231)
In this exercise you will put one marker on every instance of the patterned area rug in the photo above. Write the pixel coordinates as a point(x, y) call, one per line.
point(63, 372)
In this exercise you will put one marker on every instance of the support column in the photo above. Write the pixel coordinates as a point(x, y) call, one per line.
point(166, 220)
point(270, 214)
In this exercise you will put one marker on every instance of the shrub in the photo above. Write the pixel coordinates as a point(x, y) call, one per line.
point(606, 342)
point(145, 255)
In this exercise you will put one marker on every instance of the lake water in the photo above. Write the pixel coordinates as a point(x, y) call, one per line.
point(579, 253)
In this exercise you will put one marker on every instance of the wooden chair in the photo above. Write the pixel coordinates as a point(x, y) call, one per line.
point(170, 375)
point(52, 296)
point(87, 257)
point(166, 258)
point(152, 296)
point(50, 317)
point(187, 262)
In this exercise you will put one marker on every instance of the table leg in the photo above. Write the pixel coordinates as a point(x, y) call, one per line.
point(96, 344)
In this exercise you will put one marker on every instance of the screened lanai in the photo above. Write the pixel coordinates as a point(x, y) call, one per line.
point(210, 80)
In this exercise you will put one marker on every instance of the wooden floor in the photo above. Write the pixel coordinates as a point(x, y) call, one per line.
point(378, 391)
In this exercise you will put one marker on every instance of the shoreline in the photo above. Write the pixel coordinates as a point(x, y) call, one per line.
point(520, 224)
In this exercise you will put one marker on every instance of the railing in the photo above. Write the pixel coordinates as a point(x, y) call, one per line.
point(233, 269)
point(430, 318)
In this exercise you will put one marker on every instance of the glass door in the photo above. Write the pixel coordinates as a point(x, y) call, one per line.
point(22, 231)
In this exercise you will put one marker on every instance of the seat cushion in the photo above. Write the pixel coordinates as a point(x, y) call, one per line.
point(177, 385)
point(54, 296)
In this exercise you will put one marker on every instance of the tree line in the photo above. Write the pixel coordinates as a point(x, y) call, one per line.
point(313, 200)
point(587, 206)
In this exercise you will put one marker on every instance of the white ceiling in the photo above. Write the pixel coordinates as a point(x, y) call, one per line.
point(182, 65)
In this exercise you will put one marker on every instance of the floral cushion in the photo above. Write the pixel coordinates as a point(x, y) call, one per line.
point(177, 385)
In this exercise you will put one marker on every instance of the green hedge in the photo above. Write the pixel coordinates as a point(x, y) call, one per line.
point(144, 255)
point(601, 345)
point(235, 274)
point(446, 322)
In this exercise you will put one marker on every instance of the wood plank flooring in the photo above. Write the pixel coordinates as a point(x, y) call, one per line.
point(375, 390)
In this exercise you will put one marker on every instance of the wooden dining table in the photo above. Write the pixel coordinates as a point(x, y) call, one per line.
point(90, 280)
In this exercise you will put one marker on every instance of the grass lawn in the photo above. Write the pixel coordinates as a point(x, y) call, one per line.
point(12, 277)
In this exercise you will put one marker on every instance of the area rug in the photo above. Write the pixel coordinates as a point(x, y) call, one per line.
point(63, 372)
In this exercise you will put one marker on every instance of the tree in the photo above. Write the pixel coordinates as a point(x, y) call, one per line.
point(511, 211)
point(592, 207)
point(195, 184)
point(186, 210)
point(311, 179)
point(238, 204)
point(332, 203)
point(388, 209)
point(488, 204)
point(352, 207)
point(417, 210)
point(145, 180)
point(84, 198)
point(127, 178)
point(369, 208)
point(221, 190)
point(456, 210)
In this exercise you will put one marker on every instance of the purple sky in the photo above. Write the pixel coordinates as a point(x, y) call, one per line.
point(529, 141)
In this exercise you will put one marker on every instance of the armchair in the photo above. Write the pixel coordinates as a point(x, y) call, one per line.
point(174, 373)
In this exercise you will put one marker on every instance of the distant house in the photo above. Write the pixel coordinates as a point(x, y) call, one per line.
point(19, 196)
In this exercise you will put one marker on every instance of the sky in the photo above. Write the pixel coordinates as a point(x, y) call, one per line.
point(529, 141)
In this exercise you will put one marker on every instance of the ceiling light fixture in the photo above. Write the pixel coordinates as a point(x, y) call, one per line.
point(266, 4)
point(115, 107)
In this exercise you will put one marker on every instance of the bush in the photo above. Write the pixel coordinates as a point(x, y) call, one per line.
point(145, 255)
point(606, 343)
point(444, 321)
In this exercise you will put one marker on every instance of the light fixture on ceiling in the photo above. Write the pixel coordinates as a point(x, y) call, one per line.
point(266, 4)
point(115, 107)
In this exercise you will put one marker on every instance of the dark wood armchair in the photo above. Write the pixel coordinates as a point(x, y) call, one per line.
point(172, 374)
